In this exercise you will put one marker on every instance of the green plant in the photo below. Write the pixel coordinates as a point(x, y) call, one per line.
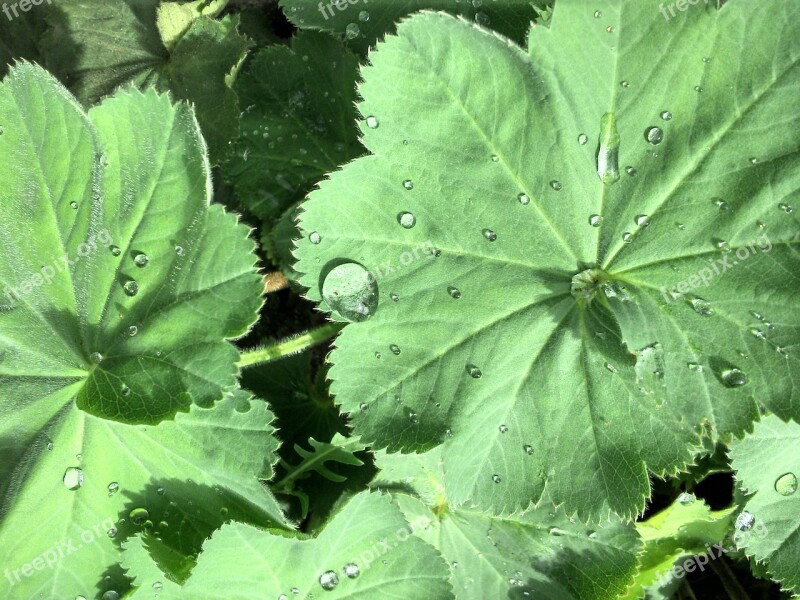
point(556, 268)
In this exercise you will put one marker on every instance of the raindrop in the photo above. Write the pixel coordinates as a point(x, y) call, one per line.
point(685, 499)
point(407, 220)
point(394, 348)
point(141, 260)
point(351, 291)
point(745, 521)
point(700, 306)
point(112, 533)
point(496, 478)
point(125, 390)
point(314, 237)
point(786, 485)
point(698, 89)
point(722, 245)
point(754, 161)
point(158, 586)
point(139, 516)
point(329, 580)
point(454, 292)
point(732, 377)
point(364, 407)
point(495, 158)
point(133, 330)
point(582, 139)
point(113, 488)
point(624, 83)
point(627, 237)
point(378, 355)
point(666, 115)
point(372, 122)
point(630, 171)
point(556, 185)
point(413, 417)
point(693, 366)
point(73, 205)
point(608, 150)
point(363, 16)
point(474, 371)
point(595, 220)
point(642, 220)
point(611, 367)
point(489, 234)
point(394, 297)
point(179, 250)
point(785, 208)
point(96, 358)
point(680, 226)
point(115, 251)
point(352, 570)
point(352, 31)
point(609, 29)
point(408, 184)
point(503, 429)
point(131, 288)
point(528, 449)
point(523, 199)
point(654, 135)
point(720, 204)
point(73, 478)
point(597, 14)
point(110, 595)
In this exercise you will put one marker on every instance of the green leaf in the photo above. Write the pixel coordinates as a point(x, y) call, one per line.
point(362, 23)
point(686, 528)
point(767, 465)
point(369, 534)
point(298, 122)
point(175, 19)
point(536, 554)
point(120, 43)
point(528, 325)
point(340, 449)
point(223, 451)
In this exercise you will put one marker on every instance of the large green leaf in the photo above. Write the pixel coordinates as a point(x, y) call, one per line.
point(298, 122)
point(539, 320)
point(767, 465)
point(116, 304)
point(362, 22)
point(120, 42)
point(536, 554)
point(366, 551)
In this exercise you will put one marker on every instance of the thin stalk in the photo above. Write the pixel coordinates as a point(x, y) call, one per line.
point(729, 581)
point(292, 345)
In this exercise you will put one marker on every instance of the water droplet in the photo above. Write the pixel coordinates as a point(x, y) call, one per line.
point(139, 516)
point(413, 417)
point(666, 115)
point(523, 199)
point(482, 19)
point(786, 485)
point(496, 478)
point(698, 89)
point(754, 161)
point(785, 208)
point(474, 371)
point(595, 220)
point(179, 250)
point(96, 358)
point(495, 158)
point(693, 366)
point(329, 580)
point(112, 533)
point(503, 429)
point(363, 16)
point(722, 245)
point(608, 150)
point(556, 185)
point(158, 586)
point(131, 288)
point(133, 330)
point(125, 390)
point(685, 499)
point(350, 290)
point(352, 31)
point(745, 521)
point(378, 355)
point(352, 570)
point(720, 204)
point(642, 221)
point(609, 29)
point(364, 407)
point(582, 139)
point(160, 491)
point(110, 595)
point(50, 446)
point(394, 297)
point(314, 237)
point(454, 292)
point(680, 226)
point(654, 135)
point(611, 367)
point(630, 171)
point(528, 449)
point(73, 478)
point(489, 234)
point(732, 378)
point(597, 14)
point(372, 122)
point(624, 83)
point(73, 205)
point(141, 260)
point(115, 251)
point(627, 237)
point(700, 306)
point(407, 220)
point(394, 348)
point(113, 488)
point(408, 184)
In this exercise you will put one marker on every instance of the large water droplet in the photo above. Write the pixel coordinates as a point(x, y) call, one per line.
point(96, 358)
point(329, 580)
point(141, 260)
point(786, 485)
point(650, 368)
point(139, 516)
point(350, 290)
point(314, 237)
point(654, 135)
point(686, 498)
point(407, 220)
point(732, 377)
point(73, 478)
point(745, 521)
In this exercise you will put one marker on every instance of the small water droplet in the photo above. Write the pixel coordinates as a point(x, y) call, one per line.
point(753, 161)
point(329, 580)
point(73, 205)
point(597, 14)
point(406, 220)
point(698, 89)
point(700, 306)
point(352, 570)
point(372, 122)
point(408, 184)
point(112, 533)
point(680, 226)
point(133, 330)
point(115, 251)
point(113, 488)
point(582, 139)
point(110, 595)
point(496, 478)
point(733, 377)
point(139, 516)
point(125, 390)
point(503, 429)
point(693, 366)
point(721, 205)
point(394, 297)
point(96, 358)
point(158, 586)
point(595, 220)
point(528, 449)
point(624, 83)
point(666, 115)
point(364, 407)
point(556, 185)
point(627, 237)
point(314, 237)
point(141, 260)
point(489, 234)
point(610, 29)
point(378, 355)
point(722, 245)
point(73, 478)
point(454, 292)
point(786, 485)
point(611, 367)
point(686, 498)
point(131, 288)
point(630, 171)
point(654, 135)
point(523, 199)
point(785, 208)
point(363, 16)
point(642, 221)
point(352, 31)
point(179, 250)
point(474, 371)
point(394, 348)
point(745, 521)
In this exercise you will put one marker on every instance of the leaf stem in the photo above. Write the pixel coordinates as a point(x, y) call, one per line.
point(274, 282)
point(289, 346)
point(729, 581)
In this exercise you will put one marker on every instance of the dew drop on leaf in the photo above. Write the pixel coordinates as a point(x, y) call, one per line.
point(785, 208)
point(329, 580)
point(314, 237)
point(133, 330)
point(96, 358)
point(489, 235)
point(608, 150)
point(139, 516)
point(406, 220)
point(372, 122)
point(73, 205)
point(352, 570)
point(654, 135)
point(686, 498)
point(698, 89)
point(73, 478)
point(666, 115)
point(630, 171)
point(582, 139)
point(110, 595)
point(745, 521)
point(141, 260)
point(597, 14)
point(474, 371)
point(624, 83)
point(131, 288)
point(503, 429)
point(556, 185)
point(523, 199)
point(363, 16)
point(786, 485)
point(627, 237)
point(595, 220)
point(408, 184)
point(115, 251)
point(528, 449)
point(394, 348)
point(350, 290)
point(352, 31)
point(700, 306)
point(454, 292)
point(642, 221)
point(496, 478)
point(732, 377)
point(394, 297)
point(113, 488)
